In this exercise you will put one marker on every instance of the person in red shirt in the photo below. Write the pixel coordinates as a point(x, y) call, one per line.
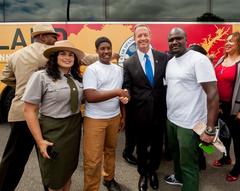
point(227, 72)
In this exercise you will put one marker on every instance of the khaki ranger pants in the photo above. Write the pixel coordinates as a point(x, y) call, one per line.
point(99, 144)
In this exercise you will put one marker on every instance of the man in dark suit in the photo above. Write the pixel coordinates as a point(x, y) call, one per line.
point(143, 78)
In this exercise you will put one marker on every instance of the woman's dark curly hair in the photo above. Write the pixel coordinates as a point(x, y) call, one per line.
point(53, 71)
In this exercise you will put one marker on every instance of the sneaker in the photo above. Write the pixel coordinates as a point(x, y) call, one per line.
point(170, 179)
point(112, 185)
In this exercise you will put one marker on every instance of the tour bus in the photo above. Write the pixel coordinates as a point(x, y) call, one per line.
point(83, 21)
point(14, 36)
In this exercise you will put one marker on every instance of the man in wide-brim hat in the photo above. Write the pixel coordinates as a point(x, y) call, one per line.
point(16, 73)
point(43, 29)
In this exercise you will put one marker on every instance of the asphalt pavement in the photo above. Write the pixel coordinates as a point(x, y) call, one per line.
point(212, 179)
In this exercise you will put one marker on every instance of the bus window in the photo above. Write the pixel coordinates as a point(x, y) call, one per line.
point(225, 9)
point(112, 10)
point(169, 10)
point(54, 10)
point(1, 10)
point(87, 10)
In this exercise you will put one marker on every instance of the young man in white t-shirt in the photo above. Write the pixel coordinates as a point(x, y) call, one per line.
point(102, 83)
point(191, 97)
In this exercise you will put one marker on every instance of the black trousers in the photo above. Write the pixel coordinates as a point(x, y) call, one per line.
point(234, 128)
point(15, 156)
point(149, 146)
point(130, 132)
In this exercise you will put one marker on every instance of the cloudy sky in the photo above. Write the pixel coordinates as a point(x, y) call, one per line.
point(118, 10)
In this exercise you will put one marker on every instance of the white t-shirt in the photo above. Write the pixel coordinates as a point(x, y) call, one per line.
point(186, 99)
point(101, 76)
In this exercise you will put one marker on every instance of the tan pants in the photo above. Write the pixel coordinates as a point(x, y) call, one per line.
point(99, 142)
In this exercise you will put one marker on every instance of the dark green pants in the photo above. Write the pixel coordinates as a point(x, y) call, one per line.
point(183, 144)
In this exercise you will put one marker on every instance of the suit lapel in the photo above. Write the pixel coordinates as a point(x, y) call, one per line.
point(157, 65)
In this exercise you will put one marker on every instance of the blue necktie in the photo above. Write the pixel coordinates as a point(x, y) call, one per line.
point(148, 69)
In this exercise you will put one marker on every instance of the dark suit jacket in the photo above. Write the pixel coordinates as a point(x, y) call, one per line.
point(148, 103)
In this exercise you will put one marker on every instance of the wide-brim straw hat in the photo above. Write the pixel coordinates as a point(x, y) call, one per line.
point(43, 29)
point(61, 46)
